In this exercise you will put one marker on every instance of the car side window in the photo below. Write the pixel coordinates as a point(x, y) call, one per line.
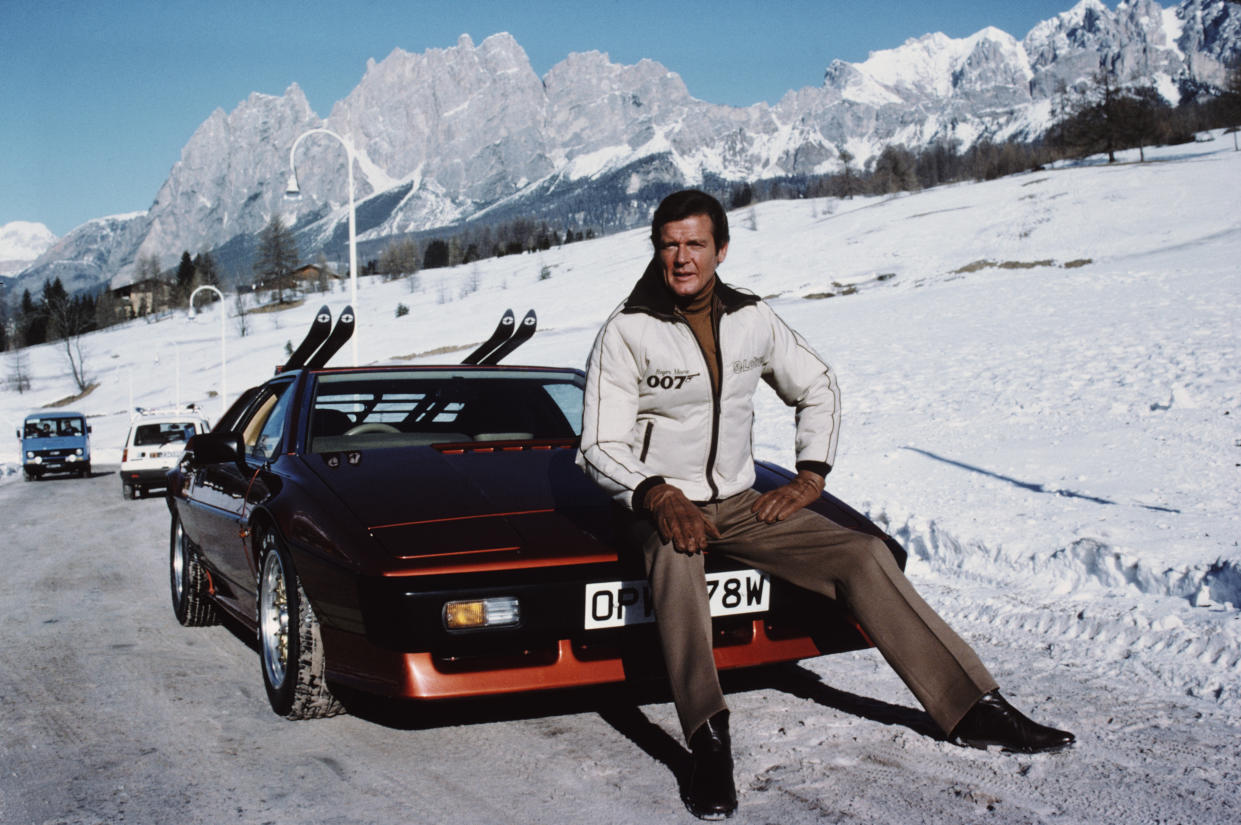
point(261, 434)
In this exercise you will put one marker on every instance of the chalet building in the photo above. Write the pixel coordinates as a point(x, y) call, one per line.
point(305, 278)
point(140, 297)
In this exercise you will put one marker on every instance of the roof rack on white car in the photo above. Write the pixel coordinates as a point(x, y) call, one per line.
point(170, 409)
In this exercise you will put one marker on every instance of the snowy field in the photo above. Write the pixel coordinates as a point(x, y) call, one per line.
point(1041, 381)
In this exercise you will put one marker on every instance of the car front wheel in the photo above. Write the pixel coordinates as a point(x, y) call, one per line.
point(191, 599)
point(290, 644)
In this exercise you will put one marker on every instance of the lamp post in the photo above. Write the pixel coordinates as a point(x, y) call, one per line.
point(176, 349)
point(223, 347)
point(293, 191)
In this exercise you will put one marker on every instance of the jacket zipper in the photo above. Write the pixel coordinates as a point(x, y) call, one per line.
point(715, 399)
point(646, 440)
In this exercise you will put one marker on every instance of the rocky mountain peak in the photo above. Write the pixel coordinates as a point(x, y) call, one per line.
point(21, 242)
point(454, 132)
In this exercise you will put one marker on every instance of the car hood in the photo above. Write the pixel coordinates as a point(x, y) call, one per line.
point(474, 506)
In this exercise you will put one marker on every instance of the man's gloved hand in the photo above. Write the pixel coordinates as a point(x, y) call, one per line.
point(782, 502)
point(678, 520)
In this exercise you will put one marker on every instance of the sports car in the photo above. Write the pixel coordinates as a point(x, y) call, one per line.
point(423, 532)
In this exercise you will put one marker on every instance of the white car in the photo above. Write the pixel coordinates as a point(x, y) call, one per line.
point(153, 446)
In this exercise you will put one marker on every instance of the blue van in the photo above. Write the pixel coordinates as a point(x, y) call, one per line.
point(55, 442)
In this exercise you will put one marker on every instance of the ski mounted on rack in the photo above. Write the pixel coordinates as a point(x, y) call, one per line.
point(316, 335)
point(341, 333)
point(322, 341)
point(507, 337)
point(504, 329)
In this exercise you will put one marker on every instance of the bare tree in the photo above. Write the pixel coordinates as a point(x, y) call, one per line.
point(323, 282)
point(69, 322)
point(19, 366)
point(148, 271)
point(239, 303)
point(846, 158)
point(398, 259)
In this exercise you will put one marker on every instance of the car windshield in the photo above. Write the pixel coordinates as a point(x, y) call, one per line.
point(54, 427)
point(163, 432)
point(418, 407)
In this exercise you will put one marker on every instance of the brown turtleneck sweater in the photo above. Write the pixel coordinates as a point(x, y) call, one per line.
point(701, 311)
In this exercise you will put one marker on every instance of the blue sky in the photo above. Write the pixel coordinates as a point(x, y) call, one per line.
point(99, 97)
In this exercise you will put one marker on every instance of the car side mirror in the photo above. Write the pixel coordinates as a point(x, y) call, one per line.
point(213, 448)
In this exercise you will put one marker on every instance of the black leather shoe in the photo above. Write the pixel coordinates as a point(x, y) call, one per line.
point(712, 794)
point(993, 721)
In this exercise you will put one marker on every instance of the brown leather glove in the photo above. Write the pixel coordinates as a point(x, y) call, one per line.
point(678, 520)
point(782, 502)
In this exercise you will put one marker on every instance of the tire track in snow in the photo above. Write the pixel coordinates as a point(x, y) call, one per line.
point(1090, 604)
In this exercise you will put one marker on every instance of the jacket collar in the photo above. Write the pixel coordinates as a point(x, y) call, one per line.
point(651, 296)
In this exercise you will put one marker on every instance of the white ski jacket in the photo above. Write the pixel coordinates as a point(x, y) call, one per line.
point(650, 413)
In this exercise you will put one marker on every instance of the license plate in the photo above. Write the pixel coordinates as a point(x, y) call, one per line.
point(616, 604)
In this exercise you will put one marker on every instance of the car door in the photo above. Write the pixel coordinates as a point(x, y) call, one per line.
point(223, 493)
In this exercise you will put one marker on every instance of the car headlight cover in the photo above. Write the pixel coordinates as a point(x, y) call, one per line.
point(503, 611)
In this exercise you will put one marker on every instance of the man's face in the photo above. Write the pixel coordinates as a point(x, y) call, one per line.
point(688, 256)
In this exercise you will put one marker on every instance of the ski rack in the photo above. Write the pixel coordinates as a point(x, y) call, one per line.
point(322, 341)
point(167, 409)
point(508, 336)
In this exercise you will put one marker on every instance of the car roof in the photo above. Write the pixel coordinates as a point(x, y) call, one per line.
point(55, 414)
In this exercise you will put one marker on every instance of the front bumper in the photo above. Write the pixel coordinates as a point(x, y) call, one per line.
point(145, 478)
point(54, 464)
point(407, 653)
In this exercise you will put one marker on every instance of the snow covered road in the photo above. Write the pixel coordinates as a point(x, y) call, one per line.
point(112, 712)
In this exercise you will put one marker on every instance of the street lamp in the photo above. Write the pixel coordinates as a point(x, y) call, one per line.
point(293, 192)
point(223, 348)
point(176, 349)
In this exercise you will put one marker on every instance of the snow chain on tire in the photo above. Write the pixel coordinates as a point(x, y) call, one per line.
point(191, 599)
point(303, 691)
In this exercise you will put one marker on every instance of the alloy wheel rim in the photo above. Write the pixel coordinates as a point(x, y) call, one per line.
point(178, 563)
point(274, 619)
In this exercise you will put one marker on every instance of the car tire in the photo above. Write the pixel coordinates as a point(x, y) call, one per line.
point(127, 491)
point(191, 599)
point(290, 643)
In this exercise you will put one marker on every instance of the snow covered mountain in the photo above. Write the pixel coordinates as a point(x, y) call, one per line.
point(471, 131)
point(21, 242)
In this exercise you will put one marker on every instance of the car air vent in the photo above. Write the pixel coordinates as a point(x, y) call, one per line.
point(502, 446)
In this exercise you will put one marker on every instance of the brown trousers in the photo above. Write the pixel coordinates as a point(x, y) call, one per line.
point(810, 551)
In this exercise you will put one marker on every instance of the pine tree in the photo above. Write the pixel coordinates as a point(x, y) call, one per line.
point(185, 279)
point(277, 256)
point(31, 321)
point(1231, 100)
point(205, 272)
